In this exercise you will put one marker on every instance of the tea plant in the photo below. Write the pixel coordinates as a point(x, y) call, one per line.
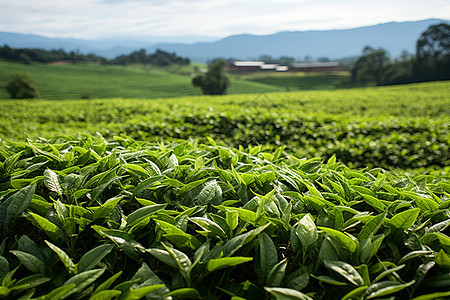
point(96, 218)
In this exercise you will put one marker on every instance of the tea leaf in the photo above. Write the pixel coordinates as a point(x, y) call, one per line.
point(287, 294)
point(185, 293)
point(106, 284)
point(30, 261)
point(405, 219)
point(105, 295)
point(48, 227)
point(63, 257)
point(83, 280)
point(142, 213)
point(433, 296)
point(385, 288)
point(91, 258)
point(442, 259)
point(340, 237)
point(268, 256)
point(19, 202)
point(371, 228)
point(30, 282)
point(210, 193)
point(388, 272)
point(51, 182)
point(306, 231)
point(238, 241)
point(374, 202)
point(58, 293)
point(277, 273)
point(346, 270)
point(226, 262)
point(232, 218)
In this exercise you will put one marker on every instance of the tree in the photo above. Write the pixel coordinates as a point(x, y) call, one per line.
point(21, 86)
point(433, 53)
point(401, 70)
point(372, 66)
point(215, 81)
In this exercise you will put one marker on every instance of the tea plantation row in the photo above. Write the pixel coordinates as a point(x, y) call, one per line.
point(391, 127)
point(95, 218)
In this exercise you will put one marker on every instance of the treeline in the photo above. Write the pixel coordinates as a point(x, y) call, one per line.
point(289, 61)
point(29, 55)
point(159, 58)
point(430, 62)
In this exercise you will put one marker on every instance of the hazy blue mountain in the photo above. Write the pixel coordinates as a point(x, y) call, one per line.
point(394, 37)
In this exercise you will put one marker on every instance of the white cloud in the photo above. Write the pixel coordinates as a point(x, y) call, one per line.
point(102, 18)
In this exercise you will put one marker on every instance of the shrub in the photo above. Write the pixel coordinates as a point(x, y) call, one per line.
point(21, 86)
point(214, 82)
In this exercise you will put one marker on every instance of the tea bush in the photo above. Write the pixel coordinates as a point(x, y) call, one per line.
point(96, 218)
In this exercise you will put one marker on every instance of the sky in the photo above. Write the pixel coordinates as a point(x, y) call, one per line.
point(97, 19)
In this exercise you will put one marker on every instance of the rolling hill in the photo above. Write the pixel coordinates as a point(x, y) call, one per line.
point(75, 81)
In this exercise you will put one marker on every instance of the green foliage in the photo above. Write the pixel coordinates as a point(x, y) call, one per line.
point(159, 58)
point(372, 66)
point(28, 55)
point(303, 81)
point(431, 62)
point(215, 81)
point(96, 218)
point(21, 86)
point(433, 53)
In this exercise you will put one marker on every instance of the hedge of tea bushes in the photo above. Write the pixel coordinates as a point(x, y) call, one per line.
point(96, 218)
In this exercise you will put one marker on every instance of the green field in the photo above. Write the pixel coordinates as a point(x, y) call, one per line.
point(398, 127)
point(73, 81)
point(304, 81)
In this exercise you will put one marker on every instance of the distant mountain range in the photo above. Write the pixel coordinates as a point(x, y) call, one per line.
point(109, 48)
point(334, 44)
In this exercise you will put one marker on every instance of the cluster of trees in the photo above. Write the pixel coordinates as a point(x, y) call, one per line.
point(28, 55)
point(159, 58)
point(289, 61)
point(283, 60)
point(430, 62)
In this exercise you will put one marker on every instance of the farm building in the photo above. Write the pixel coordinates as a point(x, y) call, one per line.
point(254, 66)
point(245, 66)
point(260, 66)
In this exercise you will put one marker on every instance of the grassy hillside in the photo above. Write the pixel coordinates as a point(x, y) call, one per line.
point(399, 126)
point(72, 81)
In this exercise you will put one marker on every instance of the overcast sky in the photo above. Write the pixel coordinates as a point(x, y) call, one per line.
point(92, 19)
